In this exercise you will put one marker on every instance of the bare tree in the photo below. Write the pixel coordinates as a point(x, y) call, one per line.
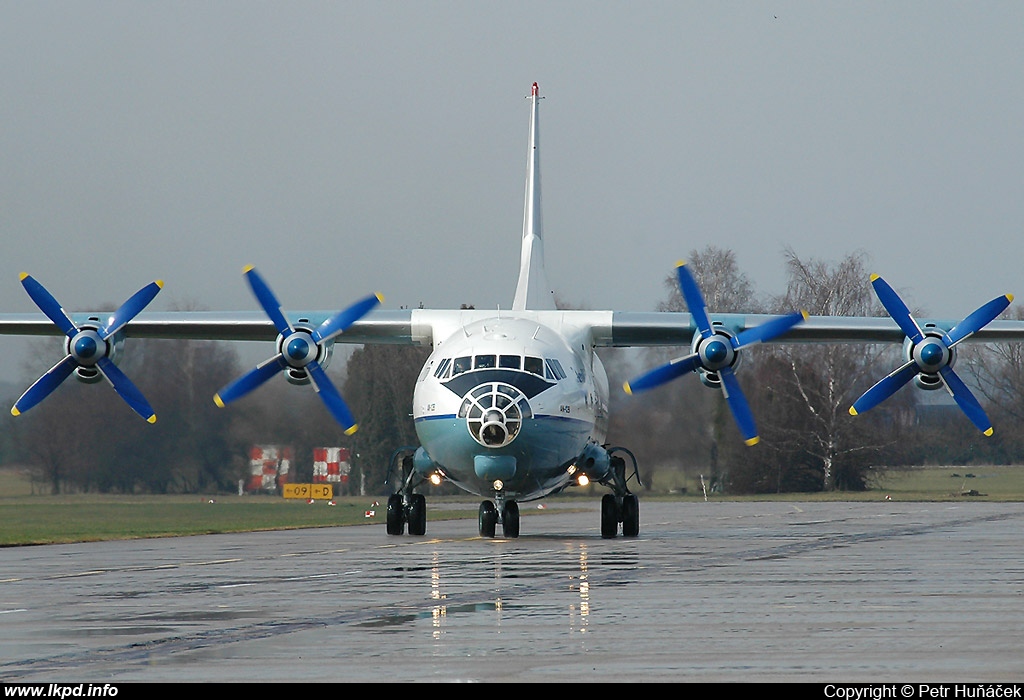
point(379, 387)
point(997, 370)
point(825, 379)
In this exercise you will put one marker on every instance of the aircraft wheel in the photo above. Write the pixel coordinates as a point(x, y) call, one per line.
point(488, 519)
point(609, 517)
point(418, 515)
point(630, 515)
point(510, 521)
point(396, 519)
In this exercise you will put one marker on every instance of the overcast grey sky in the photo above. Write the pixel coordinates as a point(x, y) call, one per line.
point(349, 147)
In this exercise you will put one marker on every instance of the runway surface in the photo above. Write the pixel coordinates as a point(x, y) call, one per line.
point(817, 592)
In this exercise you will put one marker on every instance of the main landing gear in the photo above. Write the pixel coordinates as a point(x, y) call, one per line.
point(621, 506)
point(406, 507)
point(411, 509)
point(489, 517)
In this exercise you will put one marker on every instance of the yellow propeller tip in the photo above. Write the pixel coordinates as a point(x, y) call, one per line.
point(22, 275)
point(853, 411)
point(353, 429)
point(151, 419)
point(873, 276)
point(1009, 297)
point(217, 400)
point(380, 297)
point(680, 263)
point(15, 412)
point(626, 388)
point(246, 269)
point(988, 433)
point(803, 312)
point(160, 283)
point(752, 441)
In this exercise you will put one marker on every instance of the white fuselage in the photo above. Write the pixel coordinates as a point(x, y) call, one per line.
point(513, 397)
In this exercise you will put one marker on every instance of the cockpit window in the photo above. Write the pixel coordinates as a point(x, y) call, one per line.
point(484, 362)
point(510, 361)
point(442, 368)
point(534, 365)
point(462, 364)
point(554, 370)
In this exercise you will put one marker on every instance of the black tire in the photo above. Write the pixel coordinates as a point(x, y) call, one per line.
point(396, 518)
point(609, 517)
point(418, 514)
point(510, 520)
point(630, 515)
point(488, 519)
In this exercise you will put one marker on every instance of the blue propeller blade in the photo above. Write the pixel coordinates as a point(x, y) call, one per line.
point(739, 406)
point(249, 381)
point(131, 308)
point(767, 331)
point(665, 373)
point(977, 320)
point(343, 319)
point(271, 306)
point(885, 388)
point(126, 389)
point(48, 305)
point(897, 309)
point(331, 398)
point(44, 385)
point(965, 399)
point(694, 299)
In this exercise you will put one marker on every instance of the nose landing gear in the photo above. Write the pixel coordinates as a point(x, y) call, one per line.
point(507, 512)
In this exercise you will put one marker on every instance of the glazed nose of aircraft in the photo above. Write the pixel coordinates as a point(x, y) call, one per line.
point(494, 413)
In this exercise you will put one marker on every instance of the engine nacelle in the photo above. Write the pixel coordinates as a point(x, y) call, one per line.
point(699, 346)
point(595, 462)
point(928, 381)
point(88, 374)
point(422, 463)
point(297, 375)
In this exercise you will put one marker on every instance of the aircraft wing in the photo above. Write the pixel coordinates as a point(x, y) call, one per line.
point(381, 326)
point(417, 327)
point(632, 328)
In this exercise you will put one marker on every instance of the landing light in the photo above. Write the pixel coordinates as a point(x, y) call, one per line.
point(435, 479)
point(498, 485)
point(582, 480)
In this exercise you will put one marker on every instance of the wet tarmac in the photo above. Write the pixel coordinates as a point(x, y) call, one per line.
point(749, 592)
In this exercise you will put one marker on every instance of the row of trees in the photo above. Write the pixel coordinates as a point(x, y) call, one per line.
point(801, 393)
point(83, 438)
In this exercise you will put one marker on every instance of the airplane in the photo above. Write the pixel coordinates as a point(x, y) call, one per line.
point(511, 404)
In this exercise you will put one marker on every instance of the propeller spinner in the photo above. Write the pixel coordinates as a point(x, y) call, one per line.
point(931, 354)
point(87, 347)
point(299, 349)
point(716, 352)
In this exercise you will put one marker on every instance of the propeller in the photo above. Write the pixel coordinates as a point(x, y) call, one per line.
point(87, 347)
point(716, 352)
point(931, 354)
point(299, 349)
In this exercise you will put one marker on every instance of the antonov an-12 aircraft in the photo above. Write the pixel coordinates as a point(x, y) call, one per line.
point(512, 404)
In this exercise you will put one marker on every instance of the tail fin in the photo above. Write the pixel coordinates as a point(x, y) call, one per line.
point(533, 291)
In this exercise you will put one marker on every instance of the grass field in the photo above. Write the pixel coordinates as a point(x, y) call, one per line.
point(27, 518)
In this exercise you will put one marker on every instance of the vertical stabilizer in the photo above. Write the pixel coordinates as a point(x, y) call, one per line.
point(533, 291)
